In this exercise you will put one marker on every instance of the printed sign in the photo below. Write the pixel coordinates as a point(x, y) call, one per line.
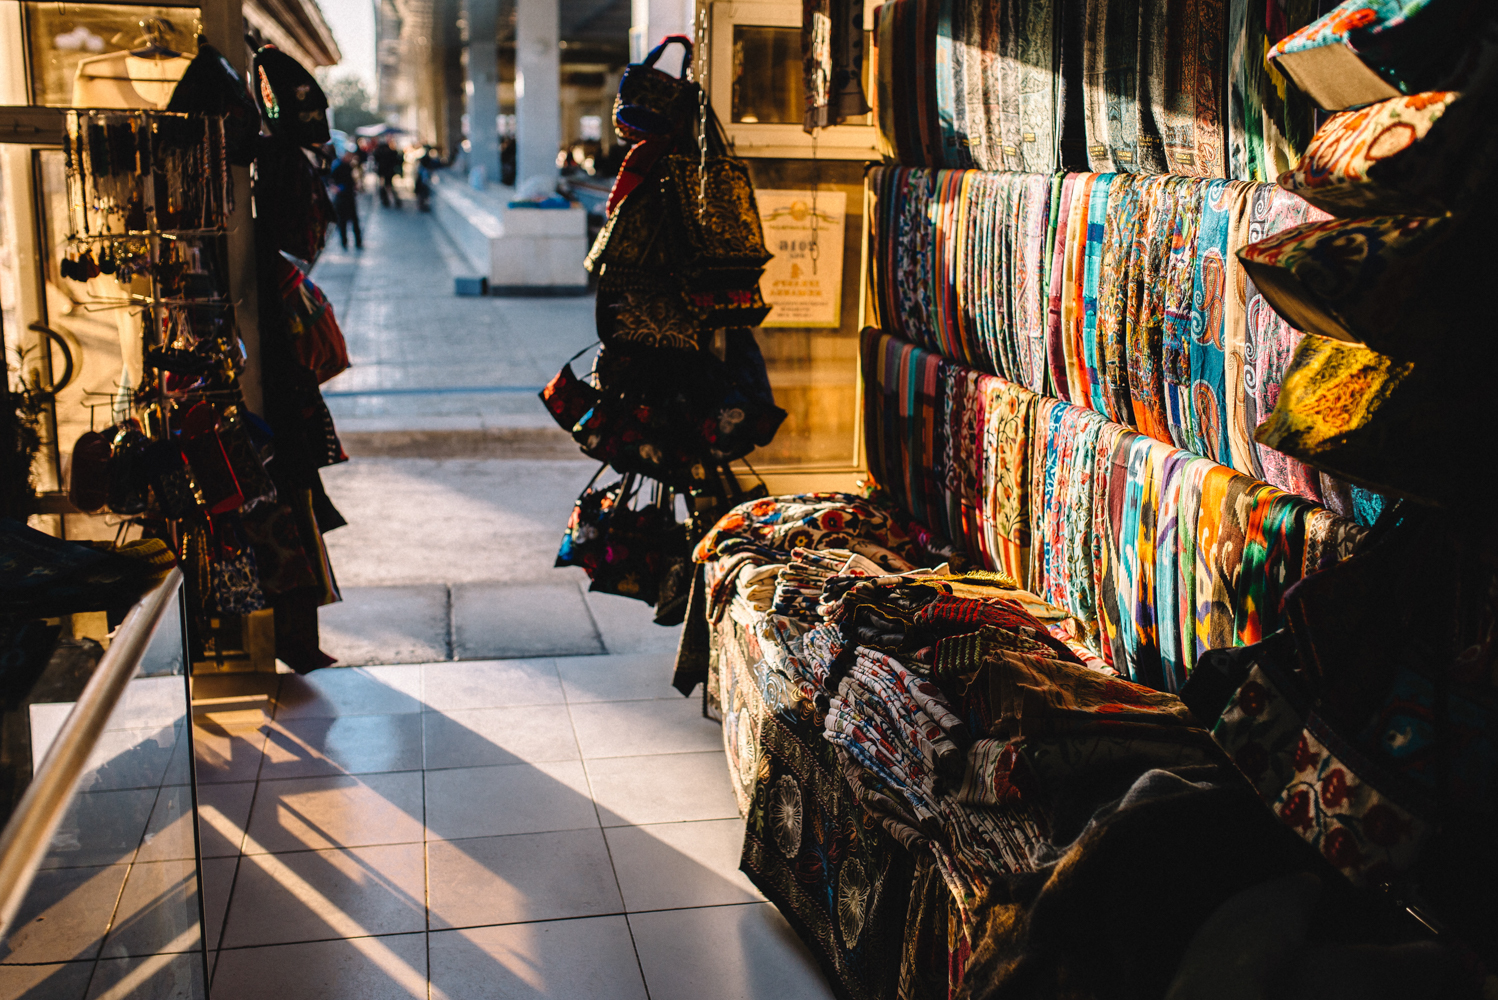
point(803, 283)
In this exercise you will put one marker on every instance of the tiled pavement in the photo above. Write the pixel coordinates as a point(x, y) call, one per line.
point(421, 355)
point(555, 827)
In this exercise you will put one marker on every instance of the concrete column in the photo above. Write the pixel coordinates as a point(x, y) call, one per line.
point(538, 79)
point(652, 20)
point(482, 86)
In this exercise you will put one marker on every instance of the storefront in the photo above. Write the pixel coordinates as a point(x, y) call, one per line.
point(1059, 429)
point(147, 326)
point(1099, 682)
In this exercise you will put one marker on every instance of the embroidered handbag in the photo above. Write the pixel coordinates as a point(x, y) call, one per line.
point(568, 398)
point(209, 462)
point(583, 541)
point(316, 339)
point(636, 548)
point(232, 574)
point(651, 102)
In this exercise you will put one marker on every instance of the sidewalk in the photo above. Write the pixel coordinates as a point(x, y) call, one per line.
point(423, 358)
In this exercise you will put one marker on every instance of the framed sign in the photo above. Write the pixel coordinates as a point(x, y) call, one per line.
point(803, 283)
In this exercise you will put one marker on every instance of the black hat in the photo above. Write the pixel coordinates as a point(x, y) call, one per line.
point(293, 104)
point(210, 86)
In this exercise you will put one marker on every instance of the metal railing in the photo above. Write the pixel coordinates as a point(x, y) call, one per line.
point(27, 836)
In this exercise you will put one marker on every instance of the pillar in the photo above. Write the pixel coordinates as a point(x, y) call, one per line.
point(652, 20)
point(482, 86)
point(538, 79)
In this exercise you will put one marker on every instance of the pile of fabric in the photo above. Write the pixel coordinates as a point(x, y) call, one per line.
point(947, 797)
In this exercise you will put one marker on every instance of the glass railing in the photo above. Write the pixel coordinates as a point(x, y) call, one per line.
point(100, 889)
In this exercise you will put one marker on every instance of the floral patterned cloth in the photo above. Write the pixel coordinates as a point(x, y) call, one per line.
point(1333, 174)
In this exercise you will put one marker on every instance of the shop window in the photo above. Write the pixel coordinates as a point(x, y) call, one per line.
point(90, 55)
point(768, 87)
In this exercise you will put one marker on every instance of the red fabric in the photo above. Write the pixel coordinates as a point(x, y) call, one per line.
point(636, 166)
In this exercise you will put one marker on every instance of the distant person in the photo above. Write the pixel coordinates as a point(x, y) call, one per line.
point(345, 178)
point(424, 168)
point(389, 164)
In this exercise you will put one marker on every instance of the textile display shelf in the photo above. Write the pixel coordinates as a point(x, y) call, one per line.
point(1165, 624)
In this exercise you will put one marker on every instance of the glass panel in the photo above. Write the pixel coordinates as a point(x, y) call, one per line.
point(87, 55)
point(767, 83)
point(104, 332)
point(768, 88)
point(813, 367)
point(120, 880)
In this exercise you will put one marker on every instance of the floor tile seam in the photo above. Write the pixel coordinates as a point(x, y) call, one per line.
point(593, 620)
point(639, 962)
point(597, 812)
point(662, 753)
point(699, 906)
point(519, 833)
point(114, 912)
point(524, 923)
point(321, 940)
point(327, 850)
point(624, 701)
point(426, 851)
point(342, 774)
point(456, 928)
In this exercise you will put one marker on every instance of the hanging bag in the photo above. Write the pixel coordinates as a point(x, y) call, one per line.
point(316, 339)
point(568, 398)
point(652, 102)
point(637, 547)
point(583, 541)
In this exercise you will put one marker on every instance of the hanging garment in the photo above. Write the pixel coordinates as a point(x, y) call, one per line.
point(832, 62)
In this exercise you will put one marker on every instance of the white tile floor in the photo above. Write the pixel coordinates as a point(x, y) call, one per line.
point(505, 829)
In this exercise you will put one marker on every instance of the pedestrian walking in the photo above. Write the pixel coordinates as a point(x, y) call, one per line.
point(345, 199)
point(389, 164)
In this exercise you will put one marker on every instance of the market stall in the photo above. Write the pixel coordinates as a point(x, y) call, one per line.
point(1104, 686)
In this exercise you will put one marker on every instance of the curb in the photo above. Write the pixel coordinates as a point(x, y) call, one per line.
point(550, 443)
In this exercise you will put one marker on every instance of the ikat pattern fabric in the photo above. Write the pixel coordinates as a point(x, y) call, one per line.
point(1414, 45)
point(1158, 553)
point(1123, 294)
point(1333, 174)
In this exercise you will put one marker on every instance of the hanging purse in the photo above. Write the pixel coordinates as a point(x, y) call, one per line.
point(568, 398)
point(281, 559)
point(316, 339)
point(88, 472)
point(233, 578)
point(651, 102)
point(636, 549)
point(129, 482)
point(583, 541)
point(210, 464)
point(177, 493)
point(234, 431)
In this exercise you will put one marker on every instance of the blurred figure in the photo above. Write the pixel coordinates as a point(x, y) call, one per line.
point(345, 198)
point(424, 168)
point(389, 164)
